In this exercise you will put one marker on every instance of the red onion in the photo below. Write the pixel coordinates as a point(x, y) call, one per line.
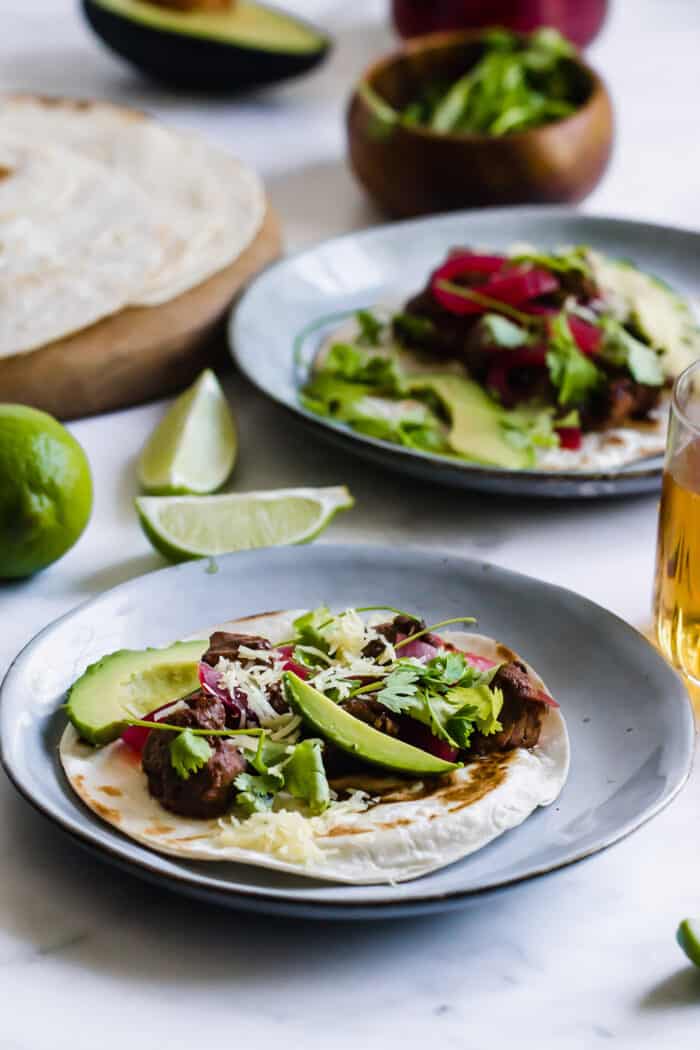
point(419, 649)
point(481, 663)
point(512, 287)
point(588, 338)
point(135, 736)
point(570, 437)
point(297, 669)
point(285, 652)
point(236, 705)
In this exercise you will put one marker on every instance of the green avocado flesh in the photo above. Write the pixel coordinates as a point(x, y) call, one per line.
point(661, 317)
point(475, 421)
point(356, 737)
point(131, 683)
point(246, 25)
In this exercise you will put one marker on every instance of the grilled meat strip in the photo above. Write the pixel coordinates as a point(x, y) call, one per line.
point(209, 792)
point(227, 645)
point(521, 715)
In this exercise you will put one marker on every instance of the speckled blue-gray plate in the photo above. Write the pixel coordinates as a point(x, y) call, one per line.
point(388, 263)
point(627, 713)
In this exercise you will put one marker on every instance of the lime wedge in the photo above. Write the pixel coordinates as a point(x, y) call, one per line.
point(194, 446)
point(688, 936)
point(182, 527)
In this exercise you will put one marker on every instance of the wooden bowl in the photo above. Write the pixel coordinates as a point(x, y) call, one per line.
point(414, 171)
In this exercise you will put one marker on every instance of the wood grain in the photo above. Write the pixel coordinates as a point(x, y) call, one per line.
point(139, 353)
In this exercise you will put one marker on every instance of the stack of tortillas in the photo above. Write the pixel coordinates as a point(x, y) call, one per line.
point(121, 243)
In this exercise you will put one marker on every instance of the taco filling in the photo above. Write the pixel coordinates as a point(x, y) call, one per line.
point(519, 360)
point(347, 717)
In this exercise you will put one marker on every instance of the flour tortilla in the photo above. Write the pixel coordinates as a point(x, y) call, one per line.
point(199, 204)
point(602, 450)
point(77, 243)
point(417, 826)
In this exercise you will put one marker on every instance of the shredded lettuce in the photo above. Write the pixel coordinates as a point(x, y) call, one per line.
point(371, 328)
point(356, 365)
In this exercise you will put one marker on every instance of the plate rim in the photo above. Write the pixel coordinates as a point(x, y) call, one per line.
point(460, 470)
point(262, 900)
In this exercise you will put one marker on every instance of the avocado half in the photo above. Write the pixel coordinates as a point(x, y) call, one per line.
point(247, 46)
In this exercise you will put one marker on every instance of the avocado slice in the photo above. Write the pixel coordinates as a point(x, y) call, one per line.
point(476, 430)
point(658, 314)
point(247, 46)
point(356, 737)
point(131, 682)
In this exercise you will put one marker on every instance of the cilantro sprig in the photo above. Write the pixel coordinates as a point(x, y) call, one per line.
point(572, 374)
point(447, 694)
point(189, 751)
point(297, 770)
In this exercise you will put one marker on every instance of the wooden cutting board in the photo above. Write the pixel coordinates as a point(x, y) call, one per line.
point(139, 353)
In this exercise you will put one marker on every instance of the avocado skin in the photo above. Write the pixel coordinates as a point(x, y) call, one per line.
point(192, 62)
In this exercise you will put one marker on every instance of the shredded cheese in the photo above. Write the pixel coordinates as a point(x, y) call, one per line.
point(253, 679)
point(287, 834)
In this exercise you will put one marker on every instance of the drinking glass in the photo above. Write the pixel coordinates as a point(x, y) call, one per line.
point(677, 577)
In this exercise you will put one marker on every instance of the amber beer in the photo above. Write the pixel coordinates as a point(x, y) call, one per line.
point(677, 580)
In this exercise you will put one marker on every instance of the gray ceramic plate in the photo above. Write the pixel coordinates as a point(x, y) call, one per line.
point(627, 713)
point(387, 263)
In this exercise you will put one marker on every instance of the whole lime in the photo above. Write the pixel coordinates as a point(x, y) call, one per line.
point(45, 490)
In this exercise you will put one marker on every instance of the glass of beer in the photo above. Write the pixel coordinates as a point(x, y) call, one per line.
point(677, 580)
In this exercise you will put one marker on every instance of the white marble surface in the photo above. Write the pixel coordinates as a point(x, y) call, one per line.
point(89, 957)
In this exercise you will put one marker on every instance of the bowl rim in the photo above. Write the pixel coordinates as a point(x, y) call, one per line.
point(443, 38)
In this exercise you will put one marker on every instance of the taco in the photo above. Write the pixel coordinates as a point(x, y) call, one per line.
point(342, 747)
point(520, 361)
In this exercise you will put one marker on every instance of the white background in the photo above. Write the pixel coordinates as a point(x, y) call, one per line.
point(89, 957)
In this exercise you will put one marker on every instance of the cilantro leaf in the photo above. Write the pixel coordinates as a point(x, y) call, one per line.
point(478, 707)
point(189, 753)
point(621, 348)
point(370, 328)
point(306, 628)
point(413, 328)
point(530, 427)
point(255, 793)
point(269, 753)
point(400, 688)
point(301, 774)
point(305, 775)
point(447, 669)
point(572, 373)
point(447, 694)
